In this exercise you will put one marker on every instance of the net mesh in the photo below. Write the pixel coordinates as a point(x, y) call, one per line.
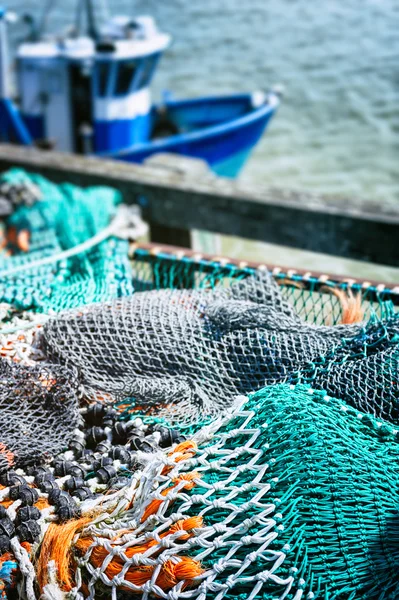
point(38, 412)
point(363, 370)
point(291, 495)
point(60, 218)
point(188, 352)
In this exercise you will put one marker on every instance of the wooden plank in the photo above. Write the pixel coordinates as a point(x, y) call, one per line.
point(185, 167)
point(337, 226)
point(170, 235)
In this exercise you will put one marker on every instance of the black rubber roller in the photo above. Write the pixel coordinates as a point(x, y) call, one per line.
point(28, 531)
point(27, 513)
point(7, 527)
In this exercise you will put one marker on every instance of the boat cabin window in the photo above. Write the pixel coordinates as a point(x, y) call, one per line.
point(124, 80)
point(147, 70)
point(103, 74)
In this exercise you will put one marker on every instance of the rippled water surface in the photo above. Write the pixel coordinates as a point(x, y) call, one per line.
point(338, 127)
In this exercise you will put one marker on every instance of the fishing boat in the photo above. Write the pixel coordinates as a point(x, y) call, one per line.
point(87, 90)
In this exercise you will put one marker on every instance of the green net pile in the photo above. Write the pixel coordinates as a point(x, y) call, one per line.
point(288, 486)
point(64, 217)
point(293, 495)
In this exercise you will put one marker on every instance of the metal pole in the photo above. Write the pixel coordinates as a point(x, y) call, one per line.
point(4, 83)
point(91, 23)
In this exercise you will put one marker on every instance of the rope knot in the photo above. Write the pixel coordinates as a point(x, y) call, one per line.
point(218, 485)
point(219, 527)
point(218, 567)
point(263, 576)
point(246, 540)
point(252, 556)
point(247, 524)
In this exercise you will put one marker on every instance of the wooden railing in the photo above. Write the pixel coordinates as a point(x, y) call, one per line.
point(177, 195)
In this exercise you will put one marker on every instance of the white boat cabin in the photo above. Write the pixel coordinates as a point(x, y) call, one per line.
point(90, 93)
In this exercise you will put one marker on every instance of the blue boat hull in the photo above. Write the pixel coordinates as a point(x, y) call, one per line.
point(220, 130)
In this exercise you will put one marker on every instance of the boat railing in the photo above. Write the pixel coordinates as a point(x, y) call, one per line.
point(177, 195)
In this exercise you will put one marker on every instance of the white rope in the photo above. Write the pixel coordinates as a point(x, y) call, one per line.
point(126, 224)
point(25, 326)
point(26, 568)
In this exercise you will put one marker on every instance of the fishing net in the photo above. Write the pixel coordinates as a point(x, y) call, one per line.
point(38, 412)
point(363, 370)
point(288, 494)
point(292, 495)
point(188, 352)
point(48, 221)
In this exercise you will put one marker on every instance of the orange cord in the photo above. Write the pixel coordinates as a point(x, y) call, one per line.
point(23, 237)
point(300, 285)
point(170, 573)
point(57, 542)
point(42, 503)
point(186, 449)
point(156, 503)
point(57, 546)
point(351, 305)
point(8, 455)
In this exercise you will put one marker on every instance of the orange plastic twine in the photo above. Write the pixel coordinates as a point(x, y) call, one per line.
point(7, 454)
point(170, 573)
point(351, 305)
point(57, 546)
point(183, 451)
point(154, 505)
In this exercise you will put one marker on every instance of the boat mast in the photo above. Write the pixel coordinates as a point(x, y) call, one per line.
point(91, 22)
point(10, 118)
point(4, 84)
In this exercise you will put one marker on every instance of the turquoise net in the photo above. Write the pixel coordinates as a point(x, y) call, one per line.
point(65, 217)
point(293, 492)
point(297, 496)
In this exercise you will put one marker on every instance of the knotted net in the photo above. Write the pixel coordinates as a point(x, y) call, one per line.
point(58, 219)
point(187, 353)
point(292, 495)
point(39, 410)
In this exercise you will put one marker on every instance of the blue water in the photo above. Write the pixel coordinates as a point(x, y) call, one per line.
point(338, 128)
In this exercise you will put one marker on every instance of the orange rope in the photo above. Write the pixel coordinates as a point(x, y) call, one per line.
point(42, 503)
point(186, 449)
point(156, 503)
point(6, 452)
point(351, 305)
point(300, 285)
point(57, 546)
point(170, 573)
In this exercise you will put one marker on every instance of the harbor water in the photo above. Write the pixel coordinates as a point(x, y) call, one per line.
point(337, 130)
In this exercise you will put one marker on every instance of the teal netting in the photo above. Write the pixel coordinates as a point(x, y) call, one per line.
point(312, 297)
point(63, 218)
point(293, 495)
point(290, 495)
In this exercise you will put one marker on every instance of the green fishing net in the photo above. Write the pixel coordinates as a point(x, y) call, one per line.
point(291, 494)
point(297, 495)
point(63, 217)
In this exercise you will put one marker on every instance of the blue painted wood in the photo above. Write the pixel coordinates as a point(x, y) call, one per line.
point(111, 136)
point(221, 131)
point(12, 126)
